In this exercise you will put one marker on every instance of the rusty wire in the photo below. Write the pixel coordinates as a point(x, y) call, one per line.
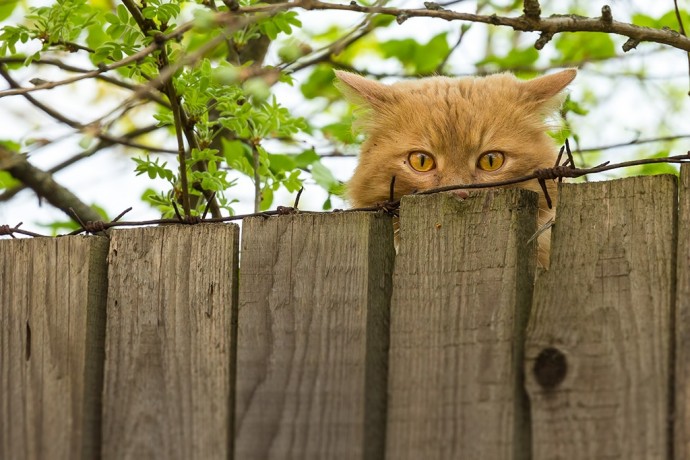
point(390, 206)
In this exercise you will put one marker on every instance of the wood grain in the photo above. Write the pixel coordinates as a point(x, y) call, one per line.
point(598, 354)
point(462, 290)
point(52, 319)
point(312, 338)
point(170, 339)
point(681, 397)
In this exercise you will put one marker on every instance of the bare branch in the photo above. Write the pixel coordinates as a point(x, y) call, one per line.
point(70, 68)
point(144, 24)
point(634, 142)
point(681, 28)
point(463, 30)
point(257, 178)
point(143, 53)
point(532, 9)
point(391, 207)
point(45, 186)
point(104, 143)
point(553, 24)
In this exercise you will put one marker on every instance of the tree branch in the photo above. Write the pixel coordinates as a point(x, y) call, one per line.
point(104, 143)
point(634, 142)
point(554, 24)
point(70, 68)
point(143, 53)
point(532, 9)
point(681, 28)
point(45, 186)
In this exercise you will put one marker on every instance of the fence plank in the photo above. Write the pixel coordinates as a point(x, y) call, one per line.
point(599, 340)
point(682, 322)
point(313, 319)
point(52, 317)
point(170, 341)
point(462, 290)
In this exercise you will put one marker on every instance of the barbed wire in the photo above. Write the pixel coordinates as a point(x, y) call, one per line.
point(391, 206)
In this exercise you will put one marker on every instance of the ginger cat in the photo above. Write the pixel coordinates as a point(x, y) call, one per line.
point(441, 131)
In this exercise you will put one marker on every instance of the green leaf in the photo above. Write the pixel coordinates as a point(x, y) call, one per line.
point(667, 20)
point(7, 7)
point(324, 177)
point(306, 158)
point(281, 162)
point(320, 84)
point(266, 198)
point(340, 131)
point(7, 180)
point(122, 14)
point(584, 47)
point(382, 20)
point(415, 57)
point(515, 59)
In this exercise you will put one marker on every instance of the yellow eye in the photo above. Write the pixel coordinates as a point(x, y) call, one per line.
point(422, 162)
point(490, 161)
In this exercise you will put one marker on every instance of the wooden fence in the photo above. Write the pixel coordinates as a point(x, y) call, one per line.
point(325, 344)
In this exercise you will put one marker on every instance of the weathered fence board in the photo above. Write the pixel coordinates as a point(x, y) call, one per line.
point(599, 338)
point(681, 398)
point(326, 346)
point(461, 296)
point(52, 315)
point(170, 343)
point(312, 338)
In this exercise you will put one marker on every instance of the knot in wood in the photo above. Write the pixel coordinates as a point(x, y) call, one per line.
point(550, 368)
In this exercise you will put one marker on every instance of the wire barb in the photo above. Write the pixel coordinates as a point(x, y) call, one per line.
point(391, 206)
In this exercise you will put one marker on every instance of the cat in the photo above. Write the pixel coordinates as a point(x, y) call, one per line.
point(439, 131)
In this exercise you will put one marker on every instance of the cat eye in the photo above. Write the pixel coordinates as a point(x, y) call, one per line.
point(490, 161)
point(422, 162)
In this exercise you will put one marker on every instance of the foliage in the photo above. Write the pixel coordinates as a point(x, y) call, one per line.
point(199, 71)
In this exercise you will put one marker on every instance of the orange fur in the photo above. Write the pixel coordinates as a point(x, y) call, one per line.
point(455, 120)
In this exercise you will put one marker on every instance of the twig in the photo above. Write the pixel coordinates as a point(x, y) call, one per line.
point(257, 178)
point(144, 24)
point(9, 193)
point(181, 151)
point(71, 68)
point(45, 186)
point(94, 73)
point(359, 31)
point(463, 30)
point(681, 28)
point(75, 124)
point(634, 142)
point(388, 206)
point(299, 195)
point(553, 24)
point(532, 9)
point(208, 205)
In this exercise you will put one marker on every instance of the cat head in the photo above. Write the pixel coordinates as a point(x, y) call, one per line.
point(441, 131)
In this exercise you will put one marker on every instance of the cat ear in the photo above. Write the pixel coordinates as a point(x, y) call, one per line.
point(545, 88)
point(360, 90)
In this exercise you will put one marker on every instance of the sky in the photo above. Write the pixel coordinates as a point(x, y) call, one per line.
point(627, 110)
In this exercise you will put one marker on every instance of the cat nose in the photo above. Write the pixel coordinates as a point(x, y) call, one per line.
point(462, 194)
